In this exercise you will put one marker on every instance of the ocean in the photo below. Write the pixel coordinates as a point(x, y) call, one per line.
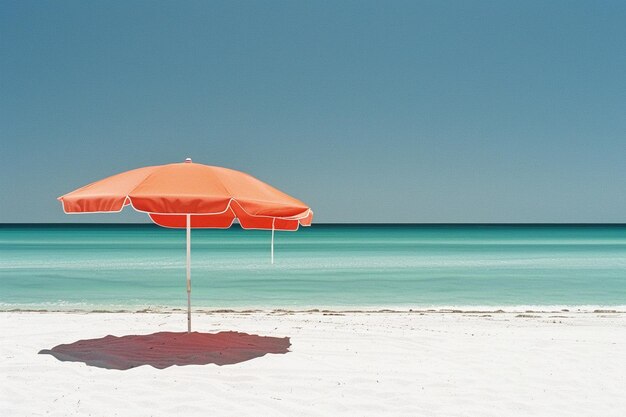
point(339, 266)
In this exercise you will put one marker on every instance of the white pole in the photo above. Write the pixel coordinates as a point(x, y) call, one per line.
point(188, 273)
point(272, 250)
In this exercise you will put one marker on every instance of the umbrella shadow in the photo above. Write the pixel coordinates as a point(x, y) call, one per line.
point(164, 349)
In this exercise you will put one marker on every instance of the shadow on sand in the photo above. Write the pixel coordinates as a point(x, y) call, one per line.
point(164, 349)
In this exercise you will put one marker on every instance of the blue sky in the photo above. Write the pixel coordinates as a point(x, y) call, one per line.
point(420, 111)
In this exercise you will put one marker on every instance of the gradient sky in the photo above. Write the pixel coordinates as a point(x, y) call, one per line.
point(431, 111)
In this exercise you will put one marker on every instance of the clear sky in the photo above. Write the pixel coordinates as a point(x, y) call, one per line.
point(381, 111)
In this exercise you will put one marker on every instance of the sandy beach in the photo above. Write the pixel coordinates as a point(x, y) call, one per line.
point(377, 363)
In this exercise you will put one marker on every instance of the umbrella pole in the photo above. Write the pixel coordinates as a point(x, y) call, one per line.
point(188, 273)
point(272, 250)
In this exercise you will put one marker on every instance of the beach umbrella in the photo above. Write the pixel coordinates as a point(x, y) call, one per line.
point(193, 196)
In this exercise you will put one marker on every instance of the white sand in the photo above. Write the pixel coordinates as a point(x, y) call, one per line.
point(355, 364)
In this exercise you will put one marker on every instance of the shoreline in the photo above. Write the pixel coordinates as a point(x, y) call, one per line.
point(597, 309)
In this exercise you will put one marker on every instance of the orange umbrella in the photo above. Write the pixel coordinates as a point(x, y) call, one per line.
point(189, 195)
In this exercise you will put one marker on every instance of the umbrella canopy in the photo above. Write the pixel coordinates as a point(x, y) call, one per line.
point(213, 196)
point(189, 195)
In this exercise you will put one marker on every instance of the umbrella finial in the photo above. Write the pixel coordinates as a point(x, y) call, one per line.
point(187, 160)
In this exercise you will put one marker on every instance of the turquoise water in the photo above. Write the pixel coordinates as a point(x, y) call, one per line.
point(59, 267)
